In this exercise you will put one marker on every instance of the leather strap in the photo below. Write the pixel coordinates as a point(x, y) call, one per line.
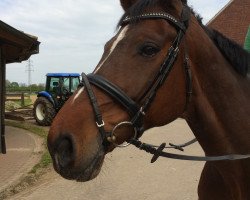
point(177, 24)
point(97, 113)
point(114, 92)
point(158, 152)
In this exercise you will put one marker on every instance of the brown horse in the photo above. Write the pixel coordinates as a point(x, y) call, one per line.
point(217, 108)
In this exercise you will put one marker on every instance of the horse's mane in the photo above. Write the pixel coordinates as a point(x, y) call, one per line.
point(233, 52)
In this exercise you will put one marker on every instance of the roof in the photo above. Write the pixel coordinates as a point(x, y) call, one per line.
point(233, 20)
point(63, 74)
point(220, 12)
point(16, 45)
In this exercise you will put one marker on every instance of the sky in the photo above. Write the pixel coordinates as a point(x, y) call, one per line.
point(72, 32)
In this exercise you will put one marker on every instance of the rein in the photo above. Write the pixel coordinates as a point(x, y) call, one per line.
point(137, 112)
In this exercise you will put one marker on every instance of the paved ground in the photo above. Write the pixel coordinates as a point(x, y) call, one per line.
point(23, 150)
point(128, 175)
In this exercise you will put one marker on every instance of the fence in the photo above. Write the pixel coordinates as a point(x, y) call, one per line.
point(16, 97)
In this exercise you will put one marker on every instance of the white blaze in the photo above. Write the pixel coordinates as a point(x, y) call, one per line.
point(115, 43)
point(77, 94)
point(119, 38)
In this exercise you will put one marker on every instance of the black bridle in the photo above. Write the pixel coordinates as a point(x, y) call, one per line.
point(137, 112)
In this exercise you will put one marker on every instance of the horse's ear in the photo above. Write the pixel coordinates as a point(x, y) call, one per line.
point(126, 4)
point(174, 4)
point(184, 1)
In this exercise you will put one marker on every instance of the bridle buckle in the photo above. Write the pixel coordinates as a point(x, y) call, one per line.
point(176, 50)
point(142, 111)
point(100, 125)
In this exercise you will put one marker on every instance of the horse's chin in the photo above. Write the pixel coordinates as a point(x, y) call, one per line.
point(92, 171)
point(83, 174)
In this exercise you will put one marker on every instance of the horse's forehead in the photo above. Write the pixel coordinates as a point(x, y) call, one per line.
point(119, 37)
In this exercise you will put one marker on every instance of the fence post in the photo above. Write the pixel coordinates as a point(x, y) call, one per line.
point(22, 99)
point(2, 102)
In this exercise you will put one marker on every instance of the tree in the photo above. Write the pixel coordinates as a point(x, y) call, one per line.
point(41, 85)
point(14, 85)
point(22, 85)
point(33, 85)
point(7, 83)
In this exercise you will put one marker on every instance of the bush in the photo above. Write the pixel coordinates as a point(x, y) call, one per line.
point(10, 105)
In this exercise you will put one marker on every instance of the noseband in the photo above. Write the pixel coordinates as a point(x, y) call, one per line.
point(137, 112)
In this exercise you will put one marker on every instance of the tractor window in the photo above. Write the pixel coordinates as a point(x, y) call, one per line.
point(54, 84)
point(66, 84)
point(74, 83)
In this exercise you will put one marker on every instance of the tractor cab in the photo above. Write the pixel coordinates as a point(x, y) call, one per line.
point(59, 87)
point(62, 85)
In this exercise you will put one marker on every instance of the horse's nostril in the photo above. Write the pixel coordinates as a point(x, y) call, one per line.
point(64, 153)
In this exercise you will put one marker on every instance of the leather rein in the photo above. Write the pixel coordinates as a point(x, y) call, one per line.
point(137, 112)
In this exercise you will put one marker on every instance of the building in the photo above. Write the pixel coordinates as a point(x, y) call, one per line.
point(233, 20)
point(15, 46)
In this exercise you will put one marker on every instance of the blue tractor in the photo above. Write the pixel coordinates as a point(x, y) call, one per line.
point(59, 87)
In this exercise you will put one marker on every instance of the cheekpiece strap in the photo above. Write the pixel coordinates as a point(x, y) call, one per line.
point(98, 116)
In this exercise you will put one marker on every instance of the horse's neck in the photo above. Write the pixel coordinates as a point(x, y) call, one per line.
point(219, 110)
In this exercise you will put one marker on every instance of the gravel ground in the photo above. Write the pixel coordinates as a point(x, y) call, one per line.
point(128, 175)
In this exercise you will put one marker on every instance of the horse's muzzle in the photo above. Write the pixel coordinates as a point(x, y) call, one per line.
point(62, 153)
point(70, 164)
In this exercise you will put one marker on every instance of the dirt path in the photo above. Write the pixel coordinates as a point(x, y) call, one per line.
point(128, 175)
point(33, 98)
point(23, 152)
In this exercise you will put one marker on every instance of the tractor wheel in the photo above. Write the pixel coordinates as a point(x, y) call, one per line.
point(44, 111)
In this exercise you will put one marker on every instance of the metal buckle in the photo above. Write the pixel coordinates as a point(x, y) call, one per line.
point(100, 125)
point(176, 50)
point(142, 111)
point(113, 136)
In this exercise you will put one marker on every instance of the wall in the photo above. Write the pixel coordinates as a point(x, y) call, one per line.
point(233, 21)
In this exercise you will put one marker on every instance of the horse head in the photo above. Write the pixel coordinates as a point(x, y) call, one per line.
point(149, 43)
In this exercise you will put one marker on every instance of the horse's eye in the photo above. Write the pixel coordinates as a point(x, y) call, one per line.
point(149, 50)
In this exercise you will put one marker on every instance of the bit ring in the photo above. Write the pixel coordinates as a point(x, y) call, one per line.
point(113, 136)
